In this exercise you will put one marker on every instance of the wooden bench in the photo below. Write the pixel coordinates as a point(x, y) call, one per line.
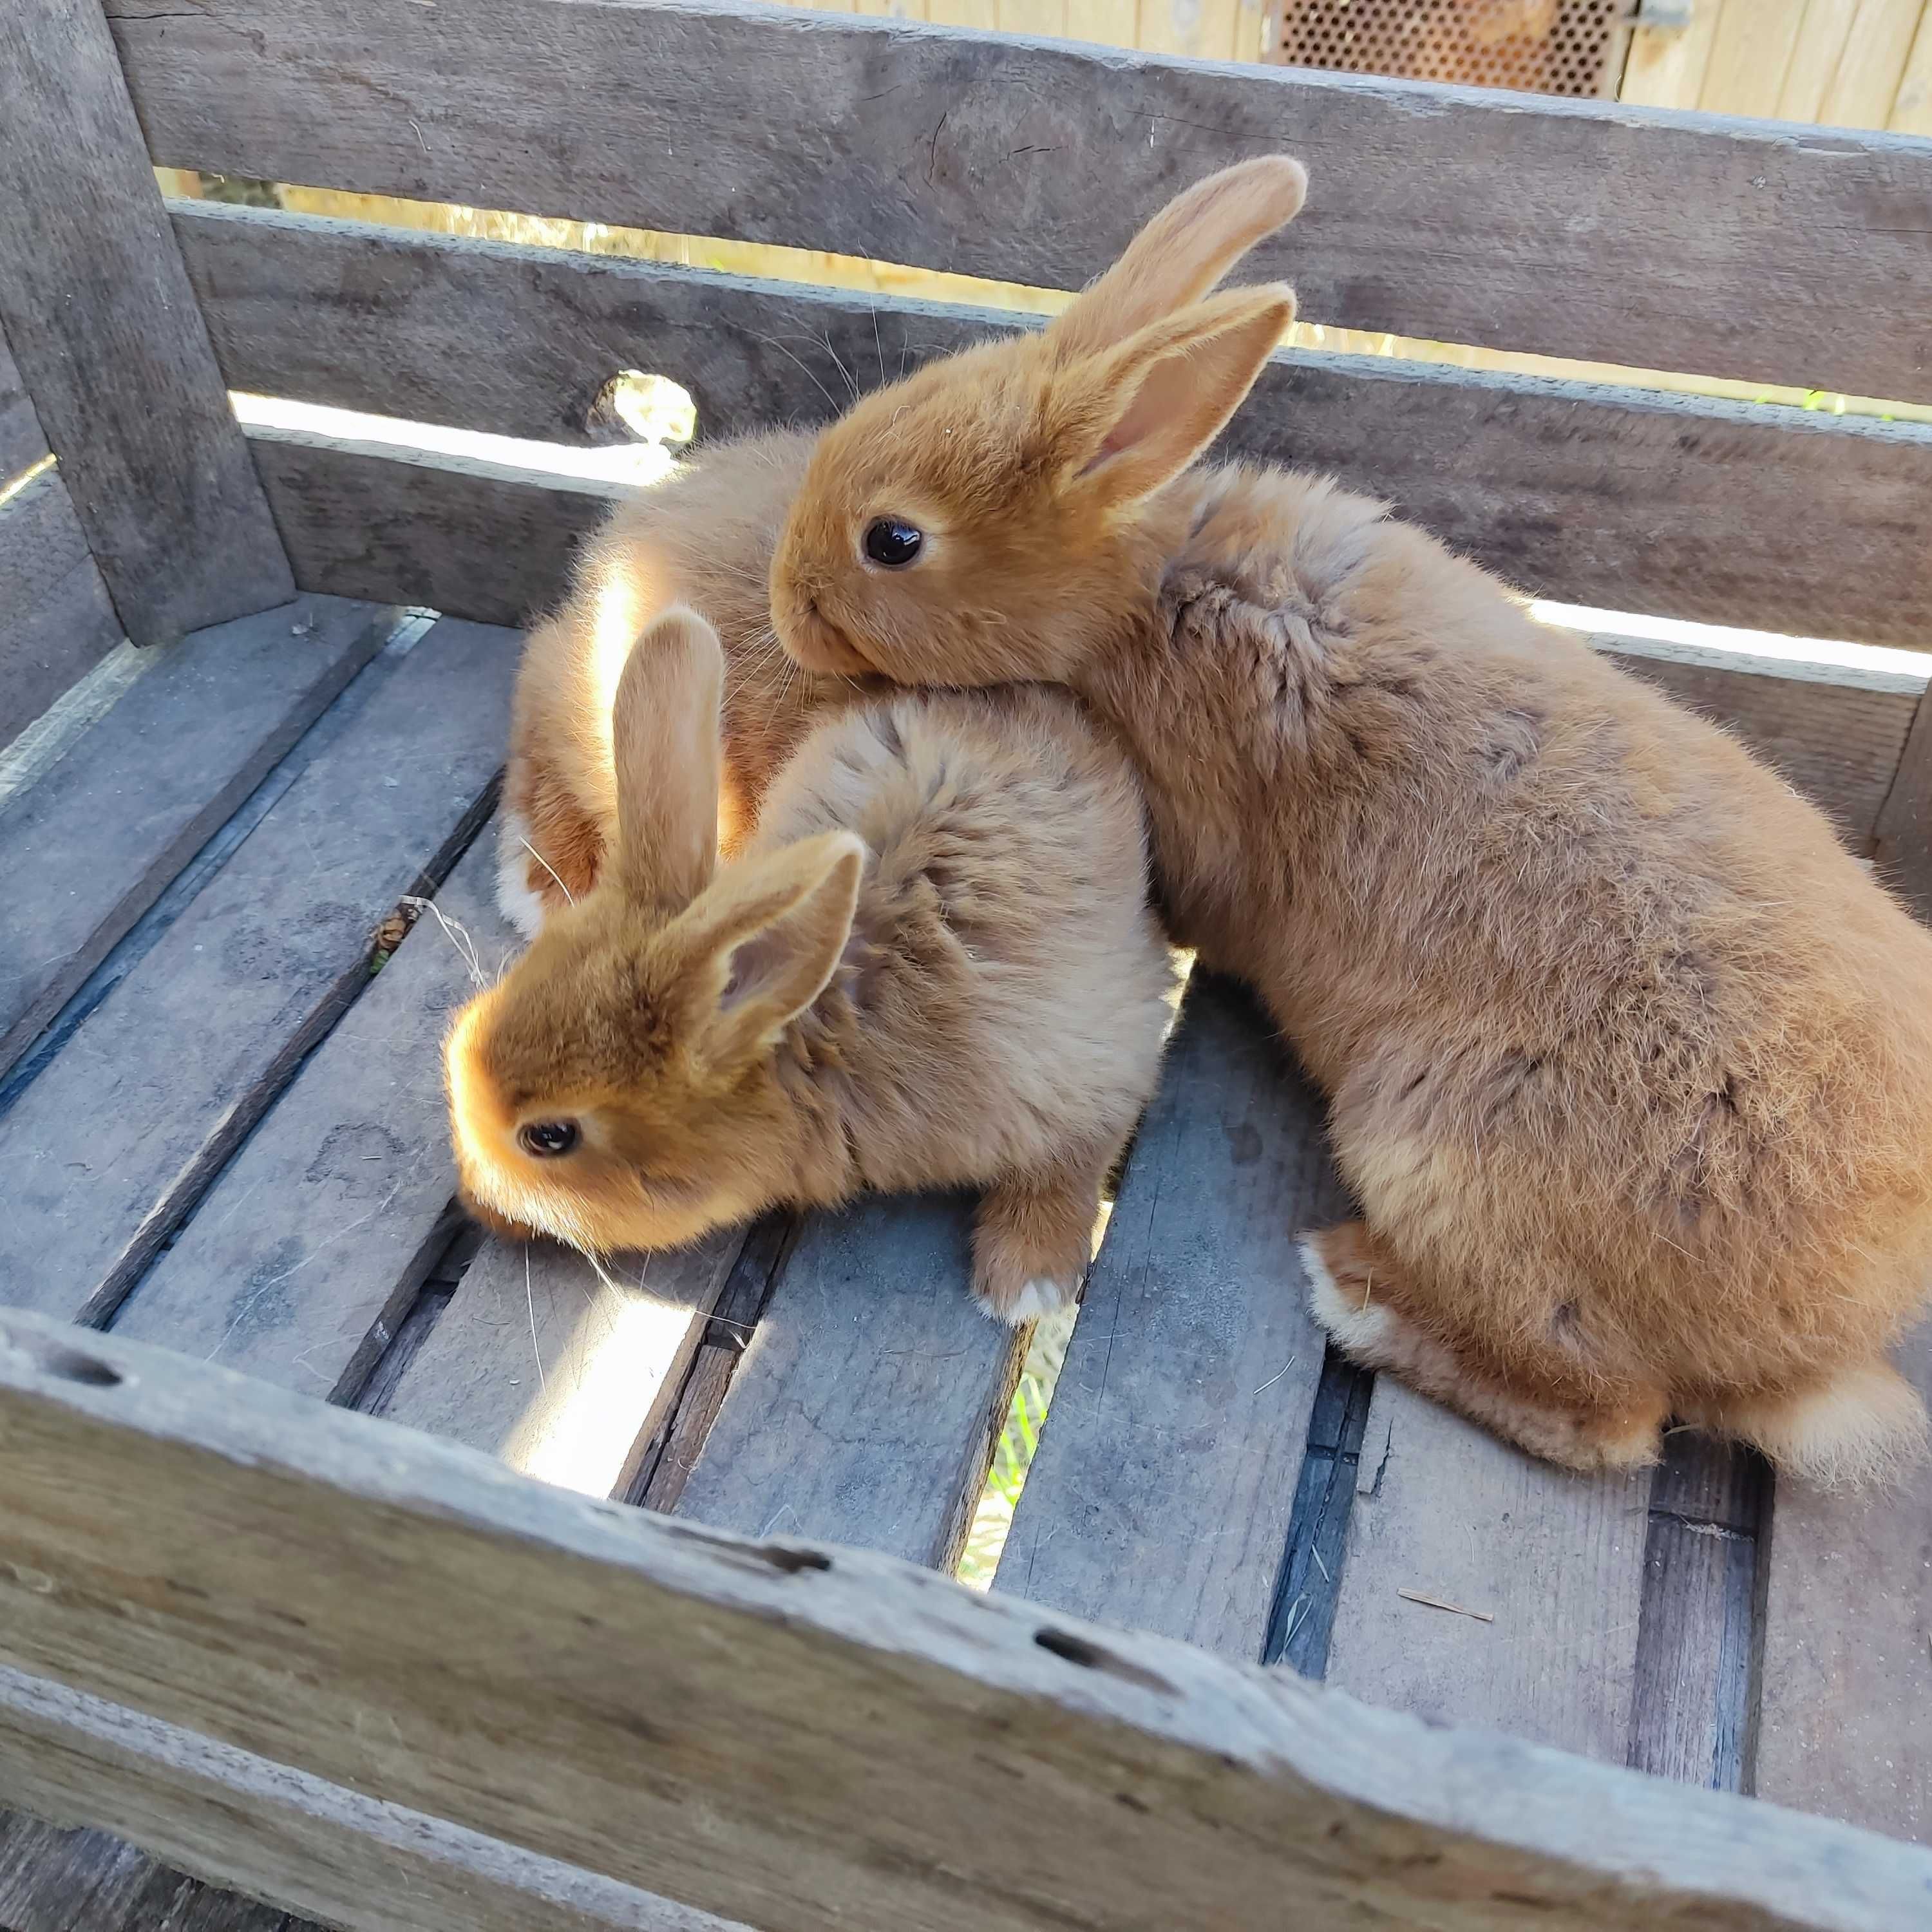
point(256, 1619)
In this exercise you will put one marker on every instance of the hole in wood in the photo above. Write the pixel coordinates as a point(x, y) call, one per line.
point(1091, 1656)
point(634, 406)
point(70, 1365)
point(791, 1561)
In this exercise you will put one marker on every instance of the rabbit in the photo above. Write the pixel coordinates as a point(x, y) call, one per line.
point(1629, 1064)
point(703, 537)
point(934, 964)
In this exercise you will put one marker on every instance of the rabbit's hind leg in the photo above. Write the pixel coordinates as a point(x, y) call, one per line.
point(1355, 1293)
point(1032, 1235)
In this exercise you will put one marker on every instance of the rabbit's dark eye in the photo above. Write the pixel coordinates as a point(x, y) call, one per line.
point(547, 1139)
point(893, 543)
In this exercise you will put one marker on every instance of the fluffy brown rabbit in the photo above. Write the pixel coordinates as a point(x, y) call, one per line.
point(1629, 1065)
point(933, 965)
point(704, 538)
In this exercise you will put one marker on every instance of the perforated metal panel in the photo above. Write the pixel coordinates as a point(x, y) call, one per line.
point(1535, 46)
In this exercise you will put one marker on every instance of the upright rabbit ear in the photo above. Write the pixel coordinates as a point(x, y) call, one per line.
point(767, 938)
point(1182, 252)
point(1127, 422)
point(665, 740)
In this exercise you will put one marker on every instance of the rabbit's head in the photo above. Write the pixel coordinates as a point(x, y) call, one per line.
point(620, 1087)
point(983, 519)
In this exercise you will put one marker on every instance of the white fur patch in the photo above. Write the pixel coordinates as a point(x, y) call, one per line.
point(1362, 1329)
point(515, 899)
point(1040, 1296)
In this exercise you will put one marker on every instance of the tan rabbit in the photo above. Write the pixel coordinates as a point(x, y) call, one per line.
point(934, 966)
point(704, 538)
point(1630, 1064)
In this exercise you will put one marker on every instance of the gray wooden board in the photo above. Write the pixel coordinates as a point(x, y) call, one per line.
point(464, 538)
point(264, 1829)
point(103, 325)
point(1576, 229)
point(56, 1881)
point(41, 542)
point(867, 1406)
point(1691, 1712)
point(1553, 1563)
point(87, 848)
point(493, 542)
point(1689, 507)
point(1903, 846)
point(563, 1367)
point(115, 1139)
point(22, 444)
point(1160, 1496)
point(299, 1260)
point(798, 1737)
point(52, 636)
point(1845, 1728)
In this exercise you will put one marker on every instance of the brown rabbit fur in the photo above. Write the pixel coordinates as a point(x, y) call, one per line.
point(704, 538)
point(934, 965)
point(1630, 1064)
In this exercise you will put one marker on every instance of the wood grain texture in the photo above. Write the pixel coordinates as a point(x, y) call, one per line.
point(103, 325)
point(299, 1261)
point(263, 1827)
point(1553, 1562)
point(1583, 229)
point(113, 1142)
point(563, 1367)
point(1734, 513)
point(1902, 846)
point(1160, 1496)
point(798, 1737)
point(1847, 1705)
point(87, 849)
point(866, 1408)
point(56, 620)
point(22, 443)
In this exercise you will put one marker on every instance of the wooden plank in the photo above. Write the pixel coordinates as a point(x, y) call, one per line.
point(1161, 1493)
point(1667, 66)
point(1911, 111)
point(783, 1734)
point(1544, 1569)
point(1577, 229)
point(1869, 76)
point(1692, 1711)
point(281, 1834)
point(1902, 847)
point(89, 847)
point(1688, 507)
point(563, 1367)
point(1847, 1699)
point(54, 1881)
point(867, 1406)
point(1820, 45)
point(21, 443)
point(101, 320)
point(111, 1145)
point(1750, 56)
point(302, 1257)
point(59, 622)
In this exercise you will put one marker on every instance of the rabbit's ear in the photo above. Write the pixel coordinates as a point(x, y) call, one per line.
point(664, 741)
point(1128, 421)
point(767, 938)
point(1182, 252)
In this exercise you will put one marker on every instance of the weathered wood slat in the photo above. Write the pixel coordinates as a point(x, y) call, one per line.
point(56, 1881)
point(103, 325)
point(1903, 848)
point(88, 847)
point(867, 1404)
point(1847, 1671)
point(266, 1829)
point(1578, 230)
point(1685, 507)
point(1544, 1569)
point(1160, 1496)
point(797, 1738)
point(56, 621)
point(561, 1367)
point(493, 542)
point(300, 1259)
point(113, 1143)
point(22, 445)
